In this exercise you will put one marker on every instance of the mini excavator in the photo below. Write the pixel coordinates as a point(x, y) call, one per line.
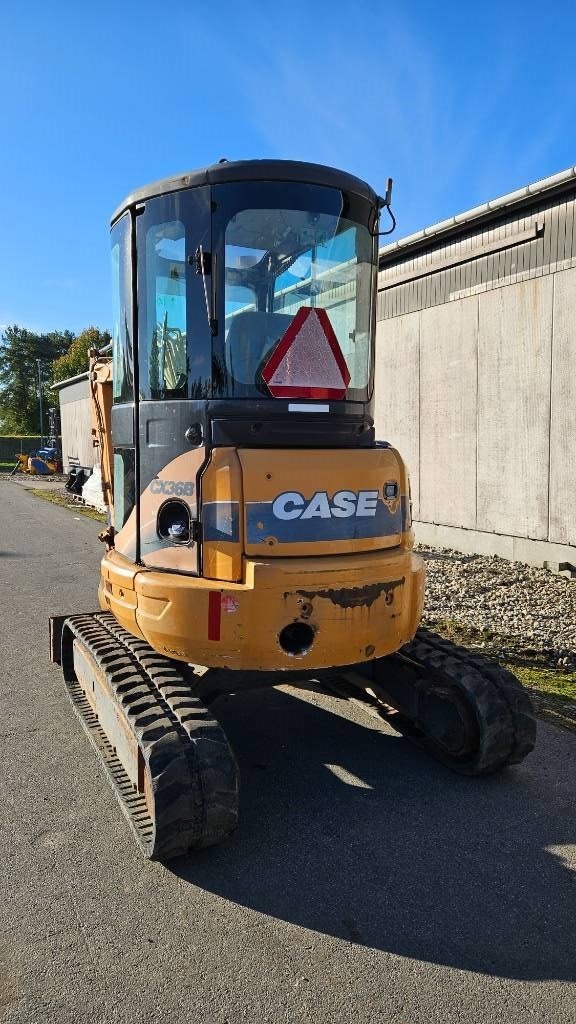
point(258, 532)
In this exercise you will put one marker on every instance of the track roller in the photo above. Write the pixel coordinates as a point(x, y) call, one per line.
point(165, 755)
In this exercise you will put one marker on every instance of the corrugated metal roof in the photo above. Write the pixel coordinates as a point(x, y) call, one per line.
point(460, 220)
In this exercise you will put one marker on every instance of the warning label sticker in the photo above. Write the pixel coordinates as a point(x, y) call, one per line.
point(307, 361)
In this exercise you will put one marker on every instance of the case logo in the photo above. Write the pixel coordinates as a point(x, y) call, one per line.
point(342, 505)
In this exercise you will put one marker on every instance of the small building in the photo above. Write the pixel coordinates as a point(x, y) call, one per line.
point(76, 422)
point(475, 372)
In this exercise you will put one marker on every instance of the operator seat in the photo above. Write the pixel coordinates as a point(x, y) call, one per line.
point(251, 337)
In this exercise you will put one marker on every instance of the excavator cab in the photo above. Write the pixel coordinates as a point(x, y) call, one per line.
point(259, 531)
point(221, 263)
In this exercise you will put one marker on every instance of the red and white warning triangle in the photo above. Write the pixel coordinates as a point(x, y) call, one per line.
point(307, 361)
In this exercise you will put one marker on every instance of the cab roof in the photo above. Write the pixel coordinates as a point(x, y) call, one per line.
point(250, 170)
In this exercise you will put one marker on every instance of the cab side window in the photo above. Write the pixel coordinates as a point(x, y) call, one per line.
point(122, 353)
point(167, 370)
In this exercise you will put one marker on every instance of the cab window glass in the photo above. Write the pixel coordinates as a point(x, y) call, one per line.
point(174, 331)
point(124, 488)
point(165, 372)
point(279, 260)
point(122, 355)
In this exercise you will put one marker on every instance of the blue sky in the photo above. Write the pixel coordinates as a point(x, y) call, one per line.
point(459, 103)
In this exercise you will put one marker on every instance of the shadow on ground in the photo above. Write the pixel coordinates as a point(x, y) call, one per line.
point(389, 849)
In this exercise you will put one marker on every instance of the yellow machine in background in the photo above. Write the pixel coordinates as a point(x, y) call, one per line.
point(40, 463)
point(258, 530)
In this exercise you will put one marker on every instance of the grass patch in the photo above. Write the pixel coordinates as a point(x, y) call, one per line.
point(546, 680)
point(7, 467)
point(63, 499)
point(487, 640)
point(553, 692)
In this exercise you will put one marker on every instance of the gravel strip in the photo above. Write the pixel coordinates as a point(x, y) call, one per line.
point(532, 611)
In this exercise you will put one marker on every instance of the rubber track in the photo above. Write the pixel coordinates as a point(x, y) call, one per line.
point(508, 686)
point(506, 724)
point(192, 770)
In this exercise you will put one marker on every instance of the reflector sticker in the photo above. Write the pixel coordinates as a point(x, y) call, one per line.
point(307, 361)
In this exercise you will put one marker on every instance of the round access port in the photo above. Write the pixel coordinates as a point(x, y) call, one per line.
point(173, 522)
point(297, 638)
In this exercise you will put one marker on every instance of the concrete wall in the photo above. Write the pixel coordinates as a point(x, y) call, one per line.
point(478, 394)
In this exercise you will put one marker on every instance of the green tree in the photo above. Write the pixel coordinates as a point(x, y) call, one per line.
point(75, 360)
point(20, 351)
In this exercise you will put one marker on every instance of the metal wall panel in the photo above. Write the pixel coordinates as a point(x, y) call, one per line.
point(76, 424)
point(553, 249)
point(514, 352)
point(569, 248)
point(73, 392)
point(563, 411)
point(448, 410)
point(397, 407)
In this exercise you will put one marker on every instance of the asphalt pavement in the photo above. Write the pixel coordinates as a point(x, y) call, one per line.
point(366, 883)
